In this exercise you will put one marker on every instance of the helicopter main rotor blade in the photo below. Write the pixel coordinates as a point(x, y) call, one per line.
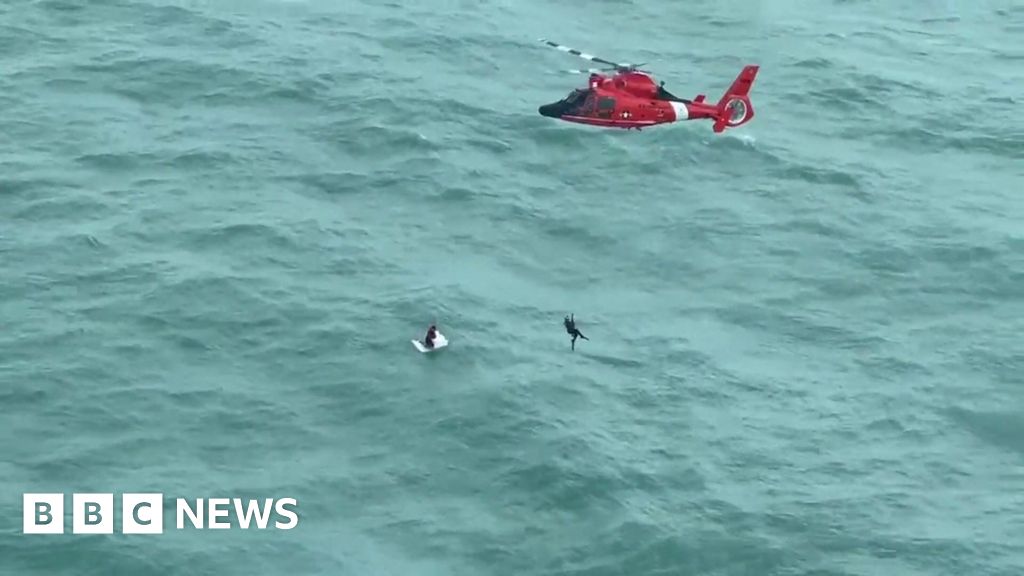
point(584, 55)
point(587, 71)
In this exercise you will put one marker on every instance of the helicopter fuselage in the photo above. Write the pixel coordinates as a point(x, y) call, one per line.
point(632, 100)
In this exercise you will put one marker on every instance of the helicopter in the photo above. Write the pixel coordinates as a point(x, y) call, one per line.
point(630, 99)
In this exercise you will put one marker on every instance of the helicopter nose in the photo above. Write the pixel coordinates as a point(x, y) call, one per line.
point(550, 110)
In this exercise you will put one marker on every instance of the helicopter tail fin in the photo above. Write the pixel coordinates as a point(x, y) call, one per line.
point(734, 108)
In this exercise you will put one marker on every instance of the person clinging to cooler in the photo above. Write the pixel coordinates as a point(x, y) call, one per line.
point(428, 340)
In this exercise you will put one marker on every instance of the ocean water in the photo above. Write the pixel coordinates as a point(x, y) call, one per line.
point(221, 223)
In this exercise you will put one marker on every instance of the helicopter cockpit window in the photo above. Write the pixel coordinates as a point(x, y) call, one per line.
point(575, 97)
point(576, 101)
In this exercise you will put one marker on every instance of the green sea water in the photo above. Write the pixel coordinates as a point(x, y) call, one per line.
point(222, 222)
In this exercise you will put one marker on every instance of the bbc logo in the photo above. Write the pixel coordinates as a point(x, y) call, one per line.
point(93, 513)
point(144, 513)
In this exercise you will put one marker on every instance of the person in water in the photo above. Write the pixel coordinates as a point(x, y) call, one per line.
point(570, 327)
point(428, 341)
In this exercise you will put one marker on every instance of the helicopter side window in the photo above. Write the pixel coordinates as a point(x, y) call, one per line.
point(606, 104)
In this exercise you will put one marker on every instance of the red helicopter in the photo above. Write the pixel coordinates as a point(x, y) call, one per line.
point(630, 99)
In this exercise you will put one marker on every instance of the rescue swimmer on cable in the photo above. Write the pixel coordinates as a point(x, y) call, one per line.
point(570, 327)
point(630, 99)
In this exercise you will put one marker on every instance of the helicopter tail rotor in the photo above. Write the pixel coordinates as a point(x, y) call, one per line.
point(734, 108)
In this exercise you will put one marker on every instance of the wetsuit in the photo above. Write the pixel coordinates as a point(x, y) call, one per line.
point(429, 340)
point(570, 327)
